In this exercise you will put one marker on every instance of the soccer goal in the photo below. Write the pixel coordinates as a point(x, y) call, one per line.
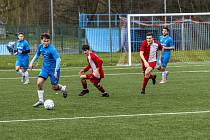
point(190, 32)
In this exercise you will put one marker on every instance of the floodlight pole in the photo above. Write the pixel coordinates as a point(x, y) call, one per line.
point(165, 10)
point(52, 20)
point(110, 32)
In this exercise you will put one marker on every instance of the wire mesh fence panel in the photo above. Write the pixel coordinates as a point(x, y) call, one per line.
point(190, 33)
point(70, 28)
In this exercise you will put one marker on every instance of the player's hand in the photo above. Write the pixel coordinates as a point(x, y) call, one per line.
point(56, 74)
point(19, 51)
point(81, 72)
point(31, 66)
point(165, 48)
point(146, 64)
point(96, 73)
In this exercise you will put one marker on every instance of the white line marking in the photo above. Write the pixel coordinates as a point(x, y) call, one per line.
point(123, 67)
point(111, 116)
point(114, 74)
point(66, 76)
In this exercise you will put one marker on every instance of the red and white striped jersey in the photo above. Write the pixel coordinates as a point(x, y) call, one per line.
point(94, 62)
point(150, 51)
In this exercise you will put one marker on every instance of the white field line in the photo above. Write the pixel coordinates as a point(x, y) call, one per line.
point(108, 116)
point(115, 67)
point(115, 74)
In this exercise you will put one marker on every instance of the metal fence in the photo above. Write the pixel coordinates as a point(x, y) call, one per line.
point(70, 29)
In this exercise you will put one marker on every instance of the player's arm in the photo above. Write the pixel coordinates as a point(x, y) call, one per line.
point(142, 49)
point(57, 61)
point(161, 54)
point(57, 67)
point(85, 69)
point(169, 48)
point(57, 58)
point(146, 64)
point(36, 56)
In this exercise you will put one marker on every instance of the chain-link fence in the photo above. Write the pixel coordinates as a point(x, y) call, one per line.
point(61, 18)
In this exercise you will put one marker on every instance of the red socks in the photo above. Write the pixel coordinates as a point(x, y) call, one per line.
point(145, 82)
point(84, 83)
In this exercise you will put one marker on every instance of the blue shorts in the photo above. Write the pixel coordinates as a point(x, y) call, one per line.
point(165, 59)
point(45, 73)
point(23, 62)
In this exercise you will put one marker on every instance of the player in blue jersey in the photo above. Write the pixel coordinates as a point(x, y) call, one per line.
point(50, 68)
point(168, 45)
point(23, 49)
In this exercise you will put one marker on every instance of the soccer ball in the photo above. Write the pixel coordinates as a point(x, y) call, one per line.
point(49, 104)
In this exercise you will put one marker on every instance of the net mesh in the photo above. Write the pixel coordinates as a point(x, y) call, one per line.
point(190, 34)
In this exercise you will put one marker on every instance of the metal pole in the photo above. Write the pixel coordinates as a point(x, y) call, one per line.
point(110, 32)
point(165, 10)
point(52, 20)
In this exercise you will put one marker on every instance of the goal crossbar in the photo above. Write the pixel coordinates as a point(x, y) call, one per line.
point(154, 15)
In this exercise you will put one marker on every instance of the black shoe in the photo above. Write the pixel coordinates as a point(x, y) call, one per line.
point(142, 91)
point(154, 80)
point(105, 94)
point(83, 92)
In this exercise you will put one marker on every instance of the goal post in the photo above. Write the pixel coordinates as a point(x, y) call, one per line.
point(190, 31)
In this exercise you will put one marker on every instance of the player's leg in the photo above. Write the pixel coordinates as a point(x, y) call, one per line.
point(83, 79)
point(101, 89)
point(43, 75)
point(19, 70)
point(40, 91)
point(151, 76)
point(25, 67)
point(143, 71)
point(146, 79)
point(97, 84)
point(165, 60)
point(56, 86)
point(158, 65)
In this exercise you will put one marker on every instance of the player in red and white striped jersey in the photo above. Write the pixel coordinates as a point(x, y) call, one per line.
point(95, 64)
point(148, 53)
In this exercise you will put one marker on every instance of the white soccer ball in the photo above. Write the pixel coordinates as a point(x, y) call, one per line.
point(49, 104)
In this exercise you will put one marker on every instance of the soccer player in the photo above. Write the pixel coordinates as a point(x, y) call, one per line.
point(50, 67)
point(168, 45)
point(95, 64)
point(23, 49)
point(148, 54)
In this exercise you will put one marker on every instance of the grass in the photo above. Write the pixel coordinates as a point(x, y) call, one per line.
point(8, 62)
point(187, 91)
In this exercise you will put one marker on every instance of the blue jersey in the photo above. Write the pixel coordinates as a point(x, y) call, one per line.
point(23, 47)
point(51, 59)
point(166, 42)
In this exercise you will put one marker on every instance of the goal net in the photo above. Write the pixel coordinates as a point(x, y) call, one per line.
point(190, 33)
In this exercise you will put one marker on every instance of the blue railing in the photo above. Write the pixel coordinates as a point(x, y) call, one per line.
point(99, 20)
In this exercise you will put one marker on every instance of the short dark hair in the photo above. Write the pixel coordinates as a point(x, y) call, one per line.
point(149, 34)
point(20, 33)
point(166, 29)
point(45, 35)
point(85, 47)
